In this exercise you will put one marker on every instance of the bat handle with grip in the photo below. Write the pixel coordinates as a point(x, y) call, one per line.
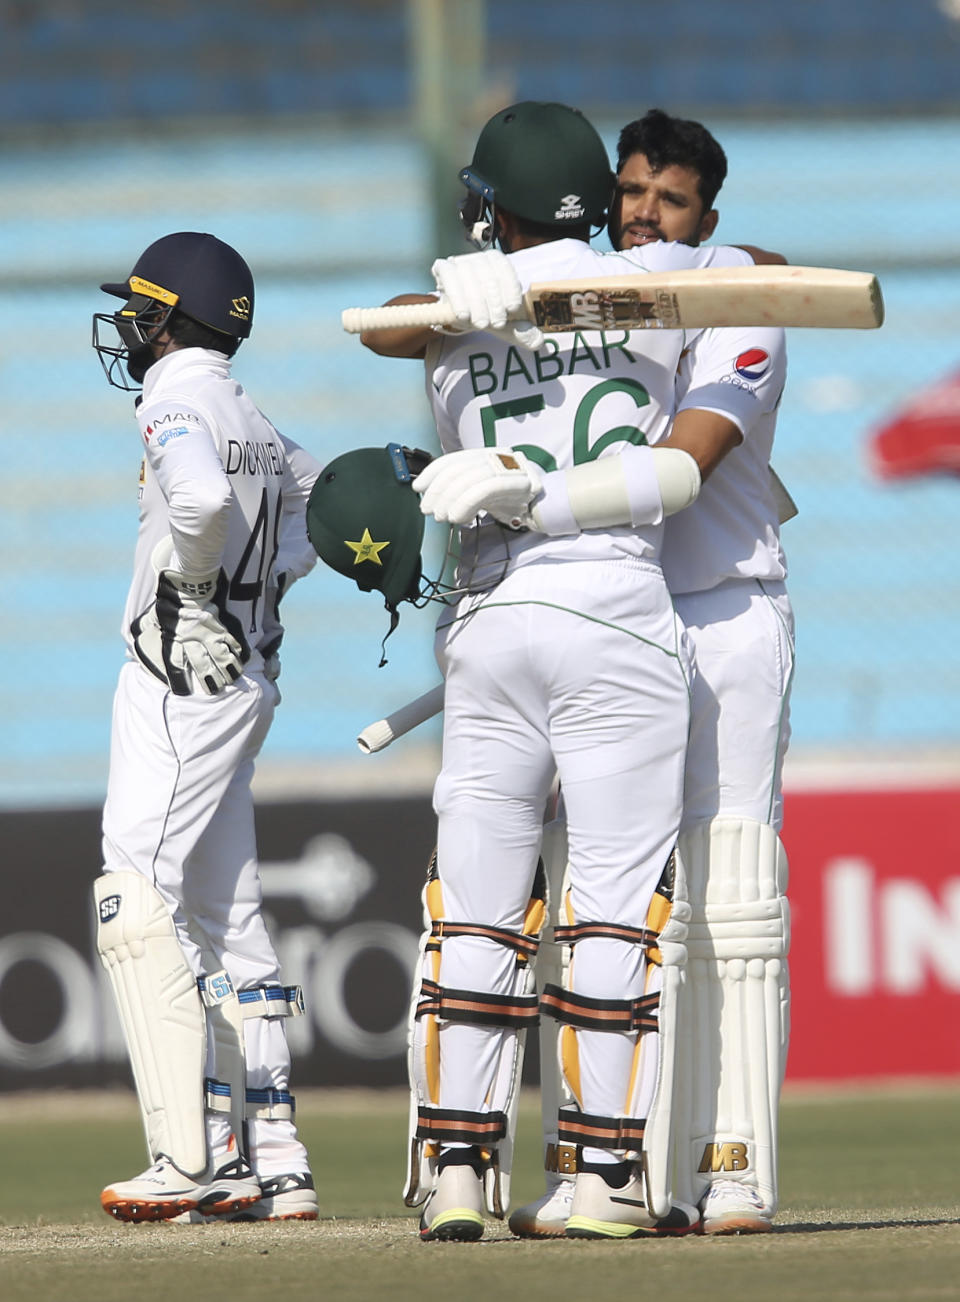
point(379, 735)
point(397, 316)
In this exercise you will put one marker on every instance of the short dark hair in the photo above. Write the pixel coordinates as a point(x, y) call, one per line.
point(188, 333)
point(676, 142)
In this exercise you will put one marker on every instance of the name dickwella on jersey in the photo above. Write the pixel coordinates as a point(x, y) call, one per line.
point(253, 458)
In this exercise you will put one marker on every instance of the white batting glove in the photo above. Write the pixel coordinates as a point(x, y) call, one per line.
point(484, 292)
point(456, 487)
point(183, 638)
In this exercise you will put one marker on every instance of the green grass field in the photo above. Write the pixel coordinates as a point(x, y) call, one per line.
point(870, 1188)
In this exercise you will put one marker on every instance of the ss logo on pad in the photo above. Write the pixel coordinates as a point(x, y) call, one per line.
point(109, 908)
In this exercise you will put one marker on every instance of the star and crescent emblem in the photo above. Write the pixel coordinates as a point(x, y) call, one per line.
point(366, 549)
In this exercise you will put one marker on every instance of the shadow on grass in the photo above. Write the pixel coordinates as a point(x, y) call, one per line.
point(826, 1227)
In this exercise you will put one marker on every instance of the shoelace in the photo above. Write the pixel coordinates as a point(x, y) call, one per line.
point(723, 1189)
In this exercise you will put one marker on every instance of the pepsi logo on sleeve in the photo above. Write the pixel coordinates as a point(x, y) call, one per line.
point(753, 364)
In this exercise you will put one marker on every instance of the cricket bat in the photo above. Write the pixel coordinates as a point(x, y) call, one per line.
point(820, 297)
point(379, 735)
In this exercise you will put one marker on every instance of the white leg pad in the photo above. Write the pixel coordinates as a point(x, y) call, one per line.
point(551, 966)
point(734, 1009)
point(161, 1014)
point(658, 1140)
point(225, 1022)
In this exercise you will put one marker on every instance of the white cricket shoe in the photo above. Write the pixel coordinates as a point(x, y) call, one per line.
point(163, 1192)
point(730, 1207)
point(282, 1198)
point(546, 1217)
point(454, 1207)
point(600, 1211)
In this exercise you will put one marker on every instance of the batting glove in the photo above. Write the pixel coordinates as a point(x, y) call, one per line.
point(484, 292)
point(456, 487)
point(186, 638)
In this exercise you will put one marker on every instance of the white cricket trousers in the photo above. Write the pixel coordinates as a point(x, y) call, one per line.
point(179, 810)
point(743, 638)
point(579, 669)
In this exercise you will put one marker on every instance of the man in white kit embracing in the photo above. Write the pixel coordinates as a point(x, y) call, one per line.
point(725, 569)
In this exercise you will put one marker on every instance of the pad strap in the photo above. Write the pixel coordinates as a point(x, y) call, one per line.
point(582, 1128)
point(272, 1001)
point(563, 1159)
point(639, 1014)
point(270, 1105)
point(261, 1001)
point(604, 931)
point(455, 1126)
point(261, 1104)
point(440, 929)
point(215, 988)
point(518, 1011)
point(216, 1095)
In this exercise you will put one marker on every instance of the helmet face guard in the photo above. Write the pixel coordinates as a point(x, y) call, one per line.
point(476, 210)
point(122, 340)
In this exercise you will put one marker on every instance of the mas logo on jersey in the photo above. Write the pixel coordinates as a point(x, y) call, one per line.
point(753, 364)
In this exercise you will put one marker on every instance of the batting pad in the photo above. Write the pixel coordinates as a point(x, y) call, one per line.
point(652, 1081)
point(734, 1008)
point(224, 1020)
point(493, 1131)
point(551, 967)
point(161, 1014)
point(672, 944)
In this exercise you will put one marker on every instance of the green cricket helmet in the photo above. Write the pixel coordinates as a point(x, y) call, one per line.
point(544, 162)
point(364, 520)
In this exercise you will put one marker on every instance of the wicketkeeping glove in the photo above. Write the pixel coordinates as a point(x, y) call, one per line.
point(483, 290)
point(185, 637)
point(456, 487)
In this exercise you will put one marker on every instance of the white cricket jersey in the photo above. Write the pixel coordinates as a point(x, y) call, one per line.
point(732, 530)
point(219, 478)
point(582, 395)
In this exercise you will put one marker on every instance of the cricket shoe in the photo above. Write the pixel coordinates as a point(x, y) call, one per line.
point(605, 1210)
point(163, 1192)
point(730, 1207)
point(547, 1216)
point(282, 1198)
point(454, 1207)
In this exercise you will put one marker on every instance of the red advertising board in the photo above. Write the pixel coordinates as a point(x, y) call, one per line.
point(875, 958)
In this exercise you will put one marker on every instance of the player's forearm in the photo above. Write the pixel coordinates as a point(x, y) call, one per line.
point(706, 435)
point(410, 341)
